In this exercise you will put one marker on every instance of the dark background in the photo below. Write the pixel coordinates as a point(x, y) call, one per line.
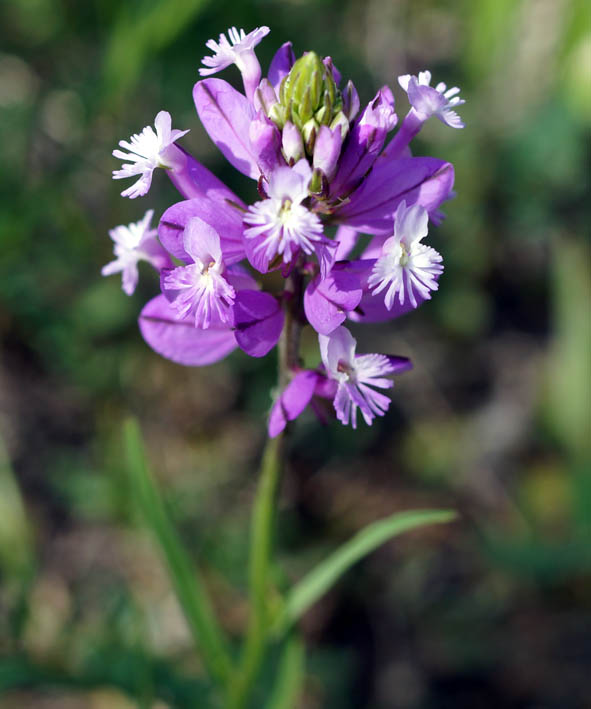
point(491, 611)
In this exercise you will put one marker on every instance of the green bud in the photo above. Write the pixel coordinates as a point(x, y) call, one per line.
point(309, 98)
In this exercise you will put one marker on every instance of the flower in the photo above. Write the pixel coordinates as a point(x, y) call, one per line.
point(281, 225)
point(231, 52)
point(238, 50)
point(147, 151)
point(406, 267)
point(355, 376)
point(432, 101)
point(133, 243)
point(200, 289)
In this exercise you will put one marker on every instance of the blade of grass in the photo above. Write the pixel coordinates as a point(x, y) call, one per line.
point(318, 581)
point(290, 676)
point(188, 586)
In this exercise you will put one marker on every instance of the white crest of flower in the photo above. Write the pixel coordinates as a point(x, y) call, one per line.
point(281, 223)
point(355, 376)
point(146, 151)
point(133, 243)
point(231, 49)
point(432, 101)
point(407, 268)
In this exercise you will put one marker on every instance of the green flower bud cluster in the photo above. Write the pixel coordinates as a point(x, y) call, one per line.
point(309, 98)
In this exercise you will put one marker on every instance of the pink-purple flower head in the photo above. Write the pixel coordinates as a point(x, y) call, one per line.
point(321, 160)
point(432, 101)
point(133, 243)
point(147, 151)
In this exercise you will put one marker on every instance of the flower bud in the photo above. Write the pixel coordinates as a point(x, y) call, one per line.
point(309, 98)
point(292, 143)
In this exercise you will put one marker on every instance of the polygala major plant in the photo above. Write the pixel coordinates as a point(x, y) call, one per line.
point(327, 172)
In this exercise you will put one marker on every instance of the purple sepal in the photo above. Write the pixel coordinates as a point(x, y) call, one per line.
point(346, 238)
point(327, 301)
point(365, 141)
point(281, 64)
point(225, 218)
point(258, 321)
point(265, 140)
point(226, 115)
point(292, 400)
point(194, 180)
point(424, 181)
point(179, 340)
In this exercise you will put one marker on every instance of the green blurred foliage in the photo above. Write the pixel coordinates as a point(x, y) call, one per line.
point(494, 419)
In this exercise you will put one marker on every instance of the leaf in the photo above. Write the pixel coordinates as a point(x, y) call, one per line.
point(290, 675)
point(186, 581)
point(318, 581)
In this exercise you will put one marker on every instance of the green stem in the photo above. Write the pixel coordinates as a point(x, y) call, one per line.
point(261, 536)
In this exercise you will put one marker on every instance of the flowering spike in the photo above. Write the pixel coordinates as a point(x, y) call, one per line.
point(407, 268)
point(147, 151)
point(238, 50)
point(133, 243)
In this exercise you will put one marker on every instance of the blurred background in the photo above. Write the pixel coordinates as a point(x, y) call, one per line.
point(491, 611)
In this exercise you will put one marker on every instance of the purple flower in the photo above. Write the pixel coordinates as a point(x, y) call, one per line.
point(238, 50)
point(428, 101)
point(133, 243)
point(146, 151)
point(281, 226)
point(200, 289)
point(356, 376)
point(407, 268)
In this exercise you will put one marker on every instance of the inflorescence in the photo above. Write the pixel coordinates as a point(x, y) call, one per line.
point(326, 174)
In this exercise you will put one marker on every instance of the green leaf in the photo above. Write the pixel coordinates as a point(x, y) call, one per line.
point(290, 675)
point(189, 588)
point(318, 581)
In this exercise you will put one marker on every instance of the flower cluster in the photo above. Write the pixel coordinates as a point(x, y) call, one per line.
point(326, 173)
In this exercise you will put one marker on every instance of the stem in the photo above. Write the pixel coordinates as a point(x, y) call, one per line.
point(263, 515)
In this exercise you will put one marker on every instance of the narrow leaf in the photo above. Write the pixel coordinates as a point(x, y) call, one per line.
point(184, 577)
point(318, 581)
point(290, 675)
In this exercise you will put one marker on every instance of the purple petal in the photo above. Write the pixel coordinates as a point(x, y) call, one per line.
point(225, 218)
point(265, 140)
point(226, 115)
point(424, 181)
point(178, 339)
point(365, 141)
point(293, 400)
point(258, 320)
point(281, 64)
point(327, 149)
point(346, 238)
point(399, 364)
point(327, 302)
point(372, 308)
